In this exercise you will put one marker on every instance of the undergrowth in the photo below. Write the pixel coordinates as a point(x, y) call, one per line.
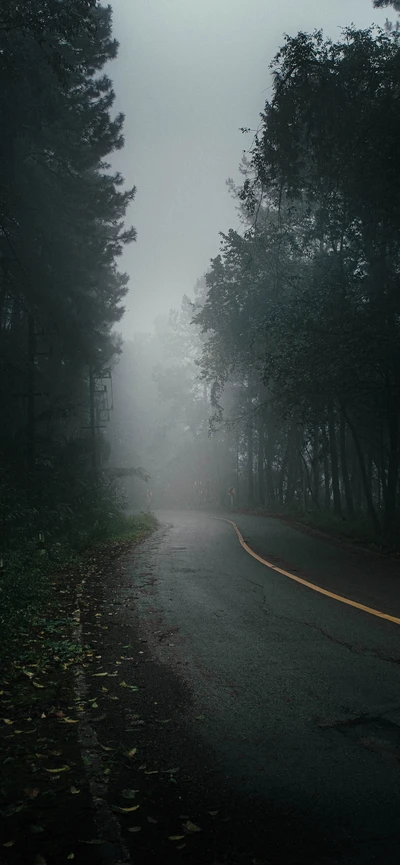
point(31, 570)
point(357, 529)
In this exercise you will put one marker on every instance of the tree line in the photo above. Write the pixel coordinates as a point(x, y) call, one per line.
point(301, 319)
point(62, 212)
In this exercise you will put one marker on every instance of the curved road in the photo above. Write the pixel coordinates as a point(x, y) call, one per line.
point(300, 692)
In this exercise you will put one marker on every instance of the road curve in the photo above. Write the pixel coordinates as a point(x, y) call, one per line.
point(300, 693)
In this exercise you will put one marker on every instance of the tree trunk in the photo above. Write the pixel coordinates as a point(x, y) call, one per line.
point(337, 505)
point(31, 432)
point(367, 490)
point(250, 460)
point(292, 476)
point(344, 467)
point(282, 472)
point(325, 445)
point(393, 469)
point(260, 461)
point(269, 455)
point(315, 465)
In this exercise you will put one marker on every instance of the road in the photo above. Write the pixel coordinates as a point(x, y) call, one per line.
point(300, 692)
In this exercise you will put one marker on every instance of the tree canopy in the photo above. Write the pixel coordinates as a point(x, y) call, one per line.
point(303, 306)
point(62, 229)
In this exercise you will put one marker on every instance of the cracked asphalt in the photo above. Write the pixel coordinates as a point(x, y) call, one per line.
point(298, 694)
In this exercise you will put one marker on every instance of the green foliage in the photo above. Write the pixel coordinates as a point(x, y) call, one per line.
point(62, 229)
point(382, 4)
point(127, 528)
point(28, 602)
point(302, 312)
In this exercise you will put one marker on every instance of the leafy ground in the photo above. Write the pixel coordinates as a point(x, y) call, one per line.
point(45, 795)
point(99, 764)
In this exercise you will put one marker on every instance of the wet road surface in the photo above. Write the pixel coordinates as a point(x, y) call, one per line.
point(300, 693)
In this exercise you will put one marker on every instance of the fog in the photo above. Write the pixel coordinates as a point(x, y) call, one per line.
point(223, 412)
point(188, 76)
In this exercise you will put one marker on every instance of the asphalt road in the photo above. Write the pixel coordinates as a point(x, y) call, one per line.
point(300, 693)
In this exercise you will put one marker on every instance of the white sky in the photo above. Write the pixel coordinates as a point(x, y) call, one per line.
point(188, 75)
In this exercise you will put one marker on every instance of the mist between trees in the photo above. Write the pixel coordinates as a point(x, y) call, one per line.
point(291, 347)
point(280, 380)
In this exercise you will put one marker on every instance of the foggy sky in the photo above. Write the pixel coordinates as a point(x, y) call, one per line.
point(188, 75)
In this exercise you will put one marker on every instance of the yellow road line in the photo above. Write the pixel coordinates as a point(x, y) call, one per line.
point(312, 586)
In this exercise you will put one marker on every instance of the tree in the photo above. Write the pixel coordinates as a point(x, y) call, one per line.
point(306, 302)
point(382, 4)
point(62, 229)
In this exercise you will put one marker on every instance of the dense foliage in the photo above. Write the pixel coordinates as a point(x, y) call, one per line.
point(61, 230)
point(302, 313)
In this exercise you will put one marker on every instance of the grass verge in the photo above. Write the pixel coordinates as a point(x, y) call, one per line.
point(41, 764)
point(30, 575)
point(356, 530)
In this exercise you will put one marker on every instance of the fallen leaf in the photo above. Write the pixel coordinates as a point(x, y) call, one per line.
point(175, 837)
point(132, 687)
point(96, 675)
point(95, 705)
point(125, 810)
point(61, 769)
point(191, 827)
point(135, 829)
point(200, 718)
point(151, 772)
point(71, 720)
point(151, 820)
point(94, 841)
point(37, 685)
point(28, 673)
point(7, 721)
point(213, 813)
point(74, 790)
point(107, 772)
point(105, 748)
point(9, 844)
point(132, 752)
point(71, 856)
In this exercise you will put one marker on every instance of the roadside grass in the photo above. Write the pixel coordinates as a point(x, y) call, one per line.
point(357, 530)
point(31, 576)
point(123, 528)
point(42, 766)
